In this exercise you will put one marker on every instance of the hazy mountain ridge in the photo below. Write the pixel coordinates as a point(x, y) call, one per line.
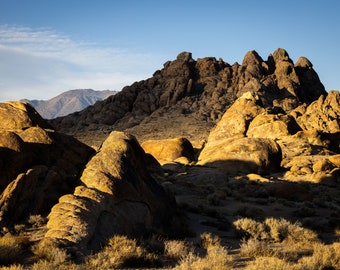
point(69, 102)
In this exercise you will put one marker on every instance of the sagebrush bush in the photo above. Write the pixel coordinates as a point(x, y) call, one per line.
point(249, 228)
point(12, 249)
point(276, 230)
point(46, 265)
point(209, 240)
point(256, 248)
point(121, 251)
point(176, 249)
point(12, 267)
point(323, 257)
point(50, 253)
point(300, 236)
point(216, 257)
point(36, 221)
point(269, 263)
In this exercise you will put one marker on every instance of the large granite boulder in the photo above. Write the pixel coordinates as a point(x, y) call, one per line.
point(168, 150)
point(37, 164)
point(228, 148)
point(237, 118)
point(242, 155)
point(118, 195)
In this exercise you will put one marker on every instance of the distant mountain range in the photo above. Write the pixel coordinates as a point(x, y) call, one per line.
point(69, 102)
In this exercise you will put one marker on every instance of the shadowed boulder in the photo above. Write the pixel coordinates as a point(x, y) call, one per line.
point(37, 164)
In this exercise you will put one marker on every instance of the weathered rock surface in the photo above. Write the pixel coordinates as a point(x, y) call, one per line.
point(117, 196)
point(168, 150)
point(231, 146)
point(37, 164)
point(188, 97)
point(322, 115)
point(19, 116)
point(242, 155)
point(237, 118)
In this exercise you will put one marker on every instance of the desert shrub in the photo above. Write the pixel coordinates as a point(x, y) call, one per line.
point(12, 267)
point(19, 228)
point(256, 248)
point(216, 257)
point(12, 249)
point(46, 265)
point(278, 228)
point(249, 228)
point(49, 253)
point(270, 263)
point(209, 240)
point(323, 257)
point(176, 249)
point(121, 251)
point(300, 235)
point(36, 221)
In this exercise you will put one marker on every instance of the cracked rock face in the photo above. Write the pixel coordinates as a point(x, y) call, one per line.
point(117, 196)
point(37, 164)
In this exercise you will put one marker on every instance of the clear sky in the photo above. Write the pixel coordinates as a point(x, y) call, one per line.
point(51, 46)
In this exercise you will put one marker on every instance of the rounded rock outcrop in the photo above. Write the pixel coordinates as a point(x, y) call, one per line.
point(118, 195)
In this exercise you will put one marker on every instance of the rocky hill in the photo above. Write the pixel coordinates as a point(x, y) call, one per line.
point(187, 97)
point(68, 102)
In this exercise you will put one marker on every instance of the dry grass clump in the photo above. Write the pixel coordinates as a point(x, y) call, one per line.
point(216, 257)
point(276, 230)
point(323, 257)
point(48, 256)
point(12, 249)
point(250, 228)
point(176, 249)
point(12, 267)
point(36, 221)
point(256, 248)
point(121, 252)
point(270, 263)
point(49, 253)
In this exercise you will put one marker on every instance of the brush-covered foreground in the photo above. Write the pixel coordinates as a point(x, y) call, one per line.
point(229, 227)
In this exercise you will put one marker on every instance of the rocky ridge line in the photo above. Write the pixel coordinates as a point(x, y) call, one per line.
point(194, 94)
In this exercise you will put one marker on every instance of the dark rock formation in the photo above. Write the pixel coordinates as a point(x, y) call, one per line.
point(194, 94)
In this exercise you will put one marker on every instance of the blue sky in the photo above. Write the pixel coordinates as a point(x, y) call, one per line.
point(51, 46)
